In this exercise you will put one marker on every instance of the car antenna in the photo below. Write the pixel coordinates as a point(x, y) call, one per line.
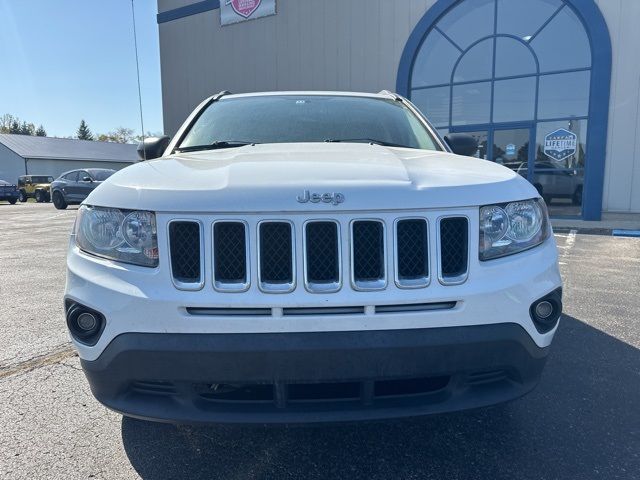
point(135, 47)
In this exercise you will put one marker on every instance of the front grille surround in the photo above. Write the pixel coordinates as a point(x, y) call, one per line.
point(397, 267)
point(371, 284)
point(309, 284)
point(225, 286)
point(279, 287)
point(421, 281)
point(460, 278)
point(179, 284)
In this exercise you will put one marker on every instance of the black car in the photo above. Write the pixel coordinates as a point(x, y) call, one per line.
point(9, 192)
point(72, 187)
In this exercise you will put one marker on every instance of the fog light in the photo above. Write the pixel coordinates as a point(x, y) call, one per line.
point(545, 312)
point(87, 321)
point(544, 309)
point(85, 324)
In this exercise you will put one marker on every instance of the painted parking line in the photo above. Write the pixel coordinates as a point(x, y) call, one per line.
point(626, 233)
point(60, 215)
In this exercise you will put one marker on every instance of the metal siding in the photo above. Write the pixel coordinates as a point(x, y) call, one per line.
point(622, 170)
point(37, 166)
point(11, 165)
point(310, 44)
point(166, 5)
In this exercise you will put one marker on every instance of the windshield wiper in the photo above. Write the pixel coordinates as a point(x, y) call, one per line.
point(367, 140)
point(215, 145)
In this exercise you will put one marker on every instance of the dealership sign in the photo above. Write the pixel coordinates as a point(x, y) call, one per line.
point(560, 144)
point(234, 11)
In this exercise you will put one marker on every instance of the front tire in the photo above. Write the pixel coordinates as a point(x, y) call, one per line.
point(58, 201)
point(13, 201)
point(40, 196)
point(23, 196)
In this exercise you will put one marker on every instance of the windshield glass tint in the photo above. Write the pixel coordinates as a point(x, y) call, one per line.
point(101, 175)
point(308, 118)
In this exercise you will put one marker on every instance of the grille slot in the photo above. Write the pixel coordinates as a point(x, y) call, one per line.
point(276, 271)
point(229, 312)
point(230, 256)
point(454, 250)
point(415, 307)
point(412, 253)
point(185, 239)
point(323, 311)
point(367, 255)
point(322, 256)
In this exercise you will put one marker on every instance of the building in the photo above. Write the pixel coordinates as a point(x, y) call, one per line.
point(548, 87)
point(24, 154)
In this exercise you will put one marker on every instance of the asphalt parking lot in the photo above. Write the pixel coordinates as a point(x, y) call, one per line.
point(583, 421)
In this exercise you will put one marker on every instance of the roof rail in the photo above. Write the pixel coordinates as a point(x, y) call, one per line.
point(391, 94)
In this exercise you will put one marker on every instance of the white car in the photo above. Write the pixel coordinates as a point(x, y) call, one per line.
point(307, 257)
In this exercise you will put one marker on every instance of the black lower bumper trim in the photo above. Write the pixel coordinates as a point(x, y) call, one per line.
point(314, 377)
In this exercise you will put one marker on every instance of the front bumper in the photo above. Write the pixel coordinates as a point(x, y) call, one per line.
point(314, 377)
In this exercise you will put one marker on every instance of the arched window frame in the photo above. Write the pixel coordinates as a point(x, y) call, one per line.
point(600, 80)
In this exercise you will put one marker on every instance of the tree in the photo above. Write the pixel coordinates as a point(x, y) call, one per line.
point(5, 122)
point(119, 135)
point(41, 132)
point(83, 131)
point(27, 129)
point(15, 127)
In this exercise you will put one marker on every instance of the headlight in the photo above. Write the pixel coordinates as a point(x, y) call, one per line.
point(122, 235)
point(511, 228)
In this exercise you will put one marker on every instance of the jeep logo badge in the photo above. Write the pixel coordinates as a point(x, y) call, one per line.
point(332, 198)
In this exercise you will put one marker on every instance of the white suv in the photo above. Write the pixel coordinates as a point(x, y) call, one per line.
point(306, 257)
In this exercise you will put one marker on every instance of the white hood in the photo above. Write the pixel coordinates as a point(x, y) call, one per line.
point(269, 177)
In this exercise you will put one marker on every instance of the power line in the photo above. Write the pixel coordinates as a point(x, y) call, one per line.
point(135, 46)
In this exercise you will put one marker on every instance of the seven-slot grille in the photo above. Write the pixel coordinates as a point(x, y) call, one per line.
point(322, 245)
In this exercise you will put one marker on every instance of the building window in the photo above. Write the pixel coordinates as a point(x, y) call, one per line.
point(516, 74)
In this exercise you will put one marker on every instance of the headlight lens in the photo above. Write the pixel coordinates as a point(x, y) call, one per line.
point(511, 228)
point(122, 235)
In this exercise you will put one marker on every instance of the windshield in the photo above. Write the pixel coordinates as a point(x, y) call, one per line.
point(41, 179)
point(99, 174)
point(307, 118)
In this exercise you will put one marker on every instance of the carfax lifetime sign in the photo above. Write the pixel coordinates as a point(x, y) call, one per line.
point(234, 11)
point(560, 144)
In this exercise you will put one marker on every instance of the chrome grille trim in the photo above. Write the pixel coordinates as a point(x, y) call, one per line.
point(368, 284)
point(417, 282)
point(394, 262)
point(321, 287)
point(269, 287)
point(452, 279)
point(180, 285)
point(231, 287)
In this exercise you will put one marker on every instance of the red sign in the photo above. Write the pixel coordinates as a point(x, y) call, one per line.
point(244, 8)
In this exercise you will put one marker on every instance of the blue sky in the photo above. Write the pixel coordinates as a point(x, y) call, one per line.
point(64, 60)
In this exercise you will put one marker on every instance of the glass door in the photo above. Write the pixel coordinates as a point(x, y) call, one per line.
point(511, 147)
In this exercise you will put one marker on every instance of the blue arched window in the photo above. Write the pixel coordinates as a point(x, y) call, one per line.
point(519, 76)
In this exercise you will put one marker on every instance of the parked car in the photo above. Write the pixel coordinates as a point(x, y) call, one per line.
point(9, 192)
point(72, 187)
point(555, 181)
point(35, 186)
point(308, 257)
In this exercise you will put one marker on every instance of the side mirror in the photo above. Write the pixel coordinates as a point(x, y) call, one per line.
point(462, 144)
point(87, 179)
point(153, 147)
